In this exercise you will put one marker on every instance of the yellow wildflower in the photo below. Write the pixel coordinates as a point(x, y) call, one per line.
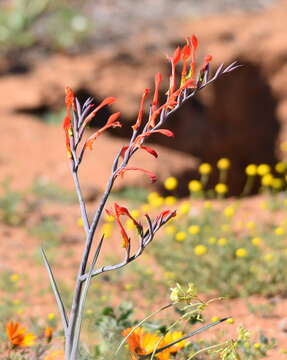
point(241, 252)
point(80, 222)
point(195, 186)
point(230, 321)
point(14, 278)
point(200, 250)
point(171, 183)
point(180, 236)
point(194, 229)
point(223, 164)
point(221, 188)
point(51, 316)
point(281, 167)
point(229, 211)
point(205, 169)
point(267, 180)
point(18, 336)
point(251, 170)
point(170, 200)
point(256, 241)
point(263, 169)
point(277, 183)
point(222, 241)
point(279, 231)
point(250, 225)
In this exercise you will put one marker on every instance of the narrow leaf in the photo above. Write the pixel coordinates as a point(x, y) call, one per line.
point(56, 291)
point(83, 300)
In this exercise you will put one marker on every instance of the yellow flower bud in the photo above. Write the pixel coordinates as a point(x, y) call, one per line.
point(241, 252)
point(222, 241)
point(171, 183)
point(195, 186)
point(200, 250)
point(267, 180)
point(223, 164)
point(263, 169)
point(281, 167)
point(256, 241)
point(221, 189)
point(194, 229)
point(205, 169)
point(180, 236)
point(251, 170)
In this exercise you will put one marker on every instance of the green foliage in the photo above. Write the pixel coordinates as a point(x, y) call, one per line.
point(133, 194)
point(45, 190)
point(210, 249)
point(12, 208)
point(53, 25)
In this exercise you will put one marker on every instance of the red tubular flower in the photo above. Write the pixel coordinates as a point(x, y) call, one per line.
point(106, 101)
point(157, 81)
point(193, 42)
point(165, 132)
point(207, 60)
point(149, 150)
point(120, 210)
point(152, 176)
point(70, 99)
point(146, 148)
point(185, 53)
point(112, 122)
point(126, 240)
point(164, 214)
point(67, 125)
point(141, 110)
point(173, 60)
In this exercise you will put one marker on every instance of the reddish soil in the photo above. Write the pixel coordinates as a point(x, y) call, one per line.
point(31, 148)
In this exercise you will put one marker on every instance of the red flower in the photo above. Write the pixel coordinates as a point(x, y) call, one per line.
point(146, 148)
point(122, 171)
point(120, 210)
point(165, 132)
point(67, 125)
point(157, 81)
point(141, 110)
point(112, 122)
point(106, 101)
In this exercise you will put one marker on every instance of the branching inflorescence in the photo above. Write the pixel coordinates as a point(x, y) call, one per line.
point(78, 117)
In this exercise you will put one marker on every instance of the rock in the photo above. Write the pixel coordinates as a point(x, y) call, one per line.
point(242, 116)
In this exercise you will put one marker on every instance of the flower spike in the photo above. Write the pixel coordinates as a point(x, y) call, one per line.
point(106, 101)
point(141, 110)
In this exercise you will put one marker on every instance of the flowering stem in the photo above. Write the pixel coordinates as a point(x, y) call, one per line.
point(74, 127)
point(195, 332)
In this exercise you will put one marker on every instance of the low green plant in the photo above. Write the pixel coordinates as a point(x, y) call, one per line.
point(46, 23)
point(13, 209)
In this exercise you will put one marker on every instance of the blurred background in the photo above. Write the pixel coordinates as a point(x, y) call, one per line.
point(104, 48)
point(114, 48)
